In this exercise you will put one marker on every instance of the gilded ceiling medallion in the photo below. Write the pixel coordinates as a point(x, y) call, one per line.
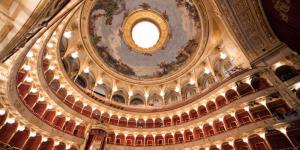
point(150, 15)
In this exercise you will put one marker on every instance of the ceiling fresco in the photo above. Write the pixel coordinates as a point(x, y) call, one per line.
point(105, 33)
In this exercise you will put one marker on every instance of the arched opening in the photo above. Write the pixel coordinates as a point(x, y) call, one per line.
point(243, 88)
point(243, 117)
point(278, 140)
point(113, 120)
point(118, 98)
point(193, 114)
point(178, 138)
point(198, 133)
point(202, 111)
point(230, 122)
point(149, 140)
point(184, 117)
point(188, 136)
point(123, 122)
point(176, 120)
point(81, 81)
point(231, 95)
point(141, 123)
point(219, 126)
point(120, 139)
point(208, 130)
point(149, 123)
point(158, 123)
point(257, 142)
point(159, 140)
point(286, 72)
point(259, 83)
point(132, 123)
point(211, 106)
point(136, 101)
point(167, 121)
point(169, 139)
point(220, 101)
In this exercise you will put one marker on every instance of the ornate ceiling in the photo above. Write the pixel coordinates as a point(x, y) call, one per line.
point(108, 31)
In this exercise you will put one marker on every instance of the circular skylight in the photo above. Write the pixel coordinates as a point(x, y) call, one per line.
point(145, 34)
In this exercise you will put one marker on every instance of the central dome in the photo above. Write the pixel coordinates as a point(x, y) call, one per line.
point(145, 34)
point(142, 40)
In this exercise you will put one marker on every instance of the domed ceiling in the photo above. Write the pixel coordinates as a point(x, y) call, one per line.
point(107, 32)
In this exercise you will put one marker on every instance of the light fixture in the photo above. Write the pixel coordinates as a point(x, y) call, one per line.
point(245, 139)
point(28, 79)
point(93, 108)
point(67, 34)
point(44, 139)
point(48, 56)
point(68, 118)
point(282, 130)
point(232, 114)
point(115, 88)
point(41, 98)
point(264, 103)
point(262, 135)
point(223, 55)
point(69, 93)
point(248, 80)
point(32, 134)
point(231, 142)
point(146, 94)
point(62, 86)
point(162, 93)
point(192, 81)
point(247, 108)
point(34, 90)
point(77, 123)
point(86, 70)
point(100, 81)
point(130, 93)
point(221, 119)
point(177, 89)
point(10, 120)
point(27, 67)
point(51, 67)
point(56, 143)
point(21, 128)
point(84, 104)
point(206, 71)
point(74, 55)
point(277, 65)
point(68, 146)
point(29, 54)
point(2, 111)
point(50, 45)
point(297, 85)
point(59, 113)
point(56, 77)
point(49, 106)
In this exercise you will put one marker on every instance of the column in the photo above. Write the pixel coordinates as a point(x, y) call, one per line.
point(288, 96)
point(283, 130)
point(245, 139)
point(134, 138)
point(96, 138)
point(263, 136)
point(248, 110)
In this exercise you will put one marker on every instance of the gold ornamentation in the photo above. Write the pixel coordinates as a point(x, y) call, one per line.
point(149, 15)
